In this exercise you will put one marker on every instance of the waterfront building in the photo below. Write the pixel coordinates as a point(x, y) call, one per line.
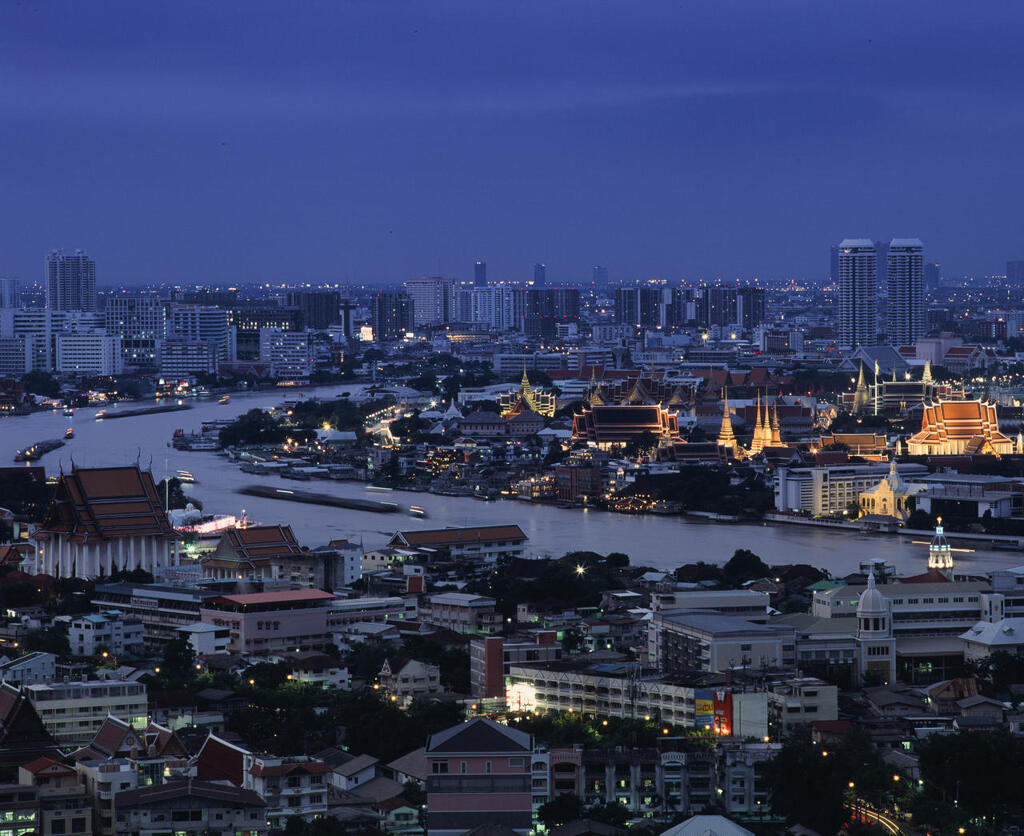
point(905, 267)
point(140, 322)
point(890, 497)
point(950, 428)
point(832, 490)
point(182, 357)
point(102, 519)
point(858, 320)
point(287, 353)
point(70, 281)
point(605, 426)
point(488, 543)
point(479, 771)
point(204, 323)
point(89, 353)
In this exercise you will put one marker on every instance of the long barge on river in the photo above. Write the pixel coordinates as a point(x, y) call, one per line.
point(313, 498)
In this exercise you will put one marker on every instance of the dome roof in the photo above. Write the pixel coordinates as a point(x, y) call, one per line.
point(871, 600)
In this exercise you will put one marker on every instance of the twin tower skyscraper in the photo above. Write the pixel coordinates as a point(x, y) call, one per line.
point(855, 268)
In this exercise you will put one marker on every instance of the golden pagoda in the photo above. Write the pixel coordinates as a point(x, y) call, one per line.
point(527, 399)
point(726, 437)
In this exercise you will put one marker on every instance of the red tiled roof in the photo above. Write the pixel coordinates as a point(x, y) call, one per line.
point(310, 768)
point(457, 536)
point(99, 503)
point(285, 596)
point(219, 760)
point(49, 766)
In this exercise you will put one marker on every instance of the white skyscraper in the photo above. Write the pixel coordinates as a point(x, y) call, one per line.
point(906, 290)
point(858, 316)
point(70, 281)
point(140, 322)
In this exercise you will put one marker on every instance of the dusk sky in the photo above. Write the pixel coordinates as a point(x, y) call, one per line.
point(375, 141)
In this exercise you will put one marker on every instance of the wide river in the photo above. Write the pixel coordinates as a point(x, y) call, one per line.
point(662, 542)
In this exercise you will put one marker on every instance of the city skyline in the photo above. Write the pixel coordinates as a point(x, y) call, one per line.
point(350, 144)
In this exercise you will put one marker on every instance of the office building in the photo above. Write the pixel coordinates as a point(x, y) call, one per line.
point(492, 306)
point(10, 293)
point(204, 323)
point(600, 275)
point(249, 318)
point(140, 322)
point(540, 310)
point(480, 274)
point(833, 263)
point(858, 319)
point(433, 300)
point(288, 353)
point(933, 275)
point(540, 275)
point(905, 262)
point(1015, 273)
point(89, 353)
point(491, 659)
point(681, 641)
point(271, 622)
point(393, 315)
point(319, 308)
point(70, 281)
point(15, 356)
point(833, 490)
point(180, 357)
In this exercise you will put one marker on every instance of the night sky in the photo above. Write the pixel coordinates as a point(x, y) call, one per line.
point(374, 141)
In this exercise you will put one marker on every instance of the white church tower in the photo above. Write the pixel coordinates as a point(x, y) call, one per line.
point(876, 645)
point(940, 557)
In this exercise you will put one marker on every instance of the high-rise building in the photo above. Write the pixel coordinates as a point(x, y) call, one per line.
point(881, 261)
point(749, 307)
point(203, 323)
point(288, 353)
point(933, 275)
point(1015, 273)
point(140, 322)
point(433, 299)
point(544, 308)
point(833, 263)
point(637, 306)
point(319, 307)
point(89, 352)
point(600, 276)
point(480, 274)
point(858, 315)
point(540, 275)
point(10, 293)
point(70, 281)
point(906, 290)
point(492, 306)
point(393, 315)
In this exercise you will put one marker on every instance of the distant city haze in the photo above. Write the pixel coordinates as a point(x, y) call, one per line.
point(367, 143)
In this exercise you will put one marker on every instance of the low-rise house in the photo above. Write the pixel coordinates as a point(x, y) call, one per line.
point(29, 669)
point(190, 807)
point(63, 807)
point(348, 771)
point(409, 680)
point(291, 786)
point(110, 632)
point(462, 612)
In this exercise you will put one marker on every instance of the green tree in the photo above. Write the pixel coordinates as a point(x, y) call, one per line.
point(178, 663)
point(254, 427)
point(561, 809)
point(744, 565)
point(41, 383)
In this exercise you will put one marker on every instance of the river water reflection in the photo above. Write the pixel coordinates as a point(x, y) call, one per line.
point(661, 542)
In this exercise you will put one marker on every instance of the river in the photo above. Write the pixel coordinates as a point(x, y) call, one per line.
point(658, 541)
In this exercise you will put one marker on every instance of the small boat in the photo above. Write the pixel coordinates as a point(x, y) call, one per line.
point(225, 400)
point(69, 433)
point(69, 411)
point(417, 511)
point(186, 477)
point(100, 414)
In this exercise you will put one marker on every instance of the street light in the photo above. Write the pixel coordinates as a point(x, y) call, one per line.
point(581, 570)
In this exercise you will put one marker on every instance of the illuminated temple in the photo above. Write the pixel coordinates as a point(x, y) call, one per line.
point(950, 428)
point(605, 426)
point(527, 399)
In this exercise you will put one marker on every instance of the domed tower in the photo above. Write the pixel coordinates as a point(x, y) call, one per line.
point(940, 556)
point(877, 648)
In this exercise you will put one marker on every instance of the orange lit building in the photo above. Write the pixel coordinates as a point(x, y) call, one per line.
point(604, 426)
point(956, 427)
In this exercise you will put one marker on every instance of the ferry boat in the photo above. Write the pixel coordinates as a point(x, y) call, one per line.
point(69, 411)
point(417, 511)
point(100, 414)
point(225, 400)
point(69, 433)
point(186, 477)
